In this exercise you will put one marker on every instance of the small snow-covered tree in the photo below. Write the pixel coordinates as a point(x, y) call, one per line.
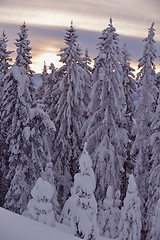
point(109, 215)
point(130, 222)
point(48, 175)
point(84, 219)
point(23, 57)
point(148, 96)
point(155, 230)
point(40, 208)
point(71, 112)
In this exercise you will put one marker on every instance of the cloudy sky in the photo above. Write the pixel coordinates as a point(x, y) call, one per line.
point(48, 19)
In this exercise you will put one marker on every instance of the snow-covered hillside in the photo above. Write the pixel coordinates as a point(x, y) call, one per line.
point(16, 227)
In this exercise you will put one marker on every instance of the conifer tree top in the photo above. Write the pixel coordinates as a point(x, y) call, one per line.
point(149, 54)
point(72, 53)
point(23, 49)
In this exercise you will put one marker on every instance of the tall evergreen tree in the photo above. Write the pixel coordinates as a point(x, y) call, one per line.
point(13, 101)
point(146, 107)
point(21, 171)
point(106, 136)
point(4, 67)
point(71, 111)
point(28, 130)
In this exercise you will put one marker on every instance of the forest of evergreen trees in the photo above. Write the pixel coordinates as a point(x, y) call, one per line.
point(84, 147)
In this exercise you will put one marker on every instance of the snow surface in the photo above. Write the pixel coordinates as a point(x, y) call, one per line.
point(17, 227)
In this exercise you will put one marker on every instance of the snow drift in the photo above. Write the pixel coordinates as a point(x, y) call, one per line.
point(17, 227)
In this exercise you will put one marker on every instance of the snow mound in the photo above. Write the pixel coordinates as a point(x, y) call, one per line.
point(41, 190)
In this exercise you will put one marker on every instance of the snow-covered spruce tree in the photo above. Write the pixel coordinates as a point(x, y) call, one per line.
point(23, 49)
point(130, 222)
point(40, 208)
point(109, 215)
point(148, 97)
point(155, 230)
point(4, 67)
point(48, 176)
point(129, 86)
point(71, 112)
point(28, 129)
point(17, 100)
point(106, 136)
point(84, 218)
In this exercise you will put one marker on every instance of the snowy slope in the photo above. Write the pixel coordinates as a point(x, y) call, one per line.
point(16, 227)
